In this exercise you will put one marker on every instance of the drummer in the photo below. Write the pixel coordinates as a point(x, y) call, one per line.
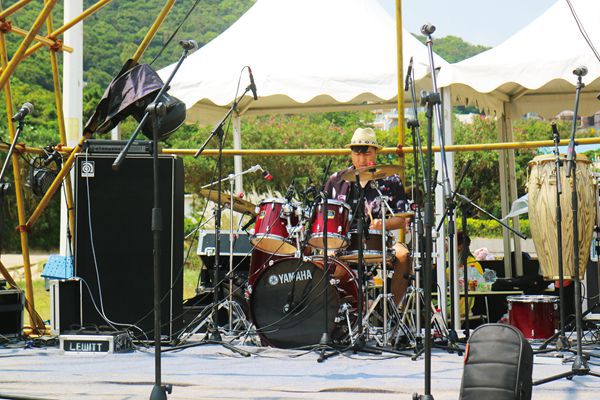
point(364, 148)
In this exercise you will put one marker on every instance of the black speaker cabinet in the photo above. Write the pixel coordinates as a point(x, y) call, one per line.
point(12, 302)
point(114, 241)
point(65, 305)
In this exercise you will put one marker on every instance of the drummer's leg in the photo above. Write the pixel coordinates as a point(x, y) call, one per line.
point(401, 265)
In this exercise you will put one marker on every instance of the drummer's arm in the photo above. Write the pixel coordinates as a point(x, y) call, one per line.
point(390, 223)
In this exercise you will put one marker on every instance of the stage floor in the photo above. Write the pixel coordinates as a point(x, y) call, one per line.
point(214, 372)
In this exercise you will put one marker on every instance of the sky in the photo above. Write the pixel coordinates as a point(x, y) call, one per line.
point(485, 22)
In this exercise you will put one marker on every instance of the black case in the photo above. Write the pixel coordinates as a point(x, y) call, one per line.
point(498, 365)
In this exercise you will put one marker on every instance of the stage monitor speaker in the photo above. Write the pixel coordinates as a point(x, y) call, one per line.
point(114, 242)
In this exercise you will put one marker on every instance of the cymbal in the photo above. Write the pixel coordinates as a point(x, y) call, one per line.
point(371, 172)
point(239, 205)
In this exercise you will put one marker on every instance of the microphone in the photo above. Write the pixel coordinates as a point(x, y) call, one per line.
point(427, 29)
point(580, 71)
point(408, 74)
point(54, 156)
point(555, 133)
point(26, 108)
point(252, 84)
point(188, 44)
point(409, 276)
point(267, 176)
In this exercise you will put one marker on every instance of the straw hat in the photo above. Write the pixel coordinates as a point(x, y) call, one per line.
point(364, 137)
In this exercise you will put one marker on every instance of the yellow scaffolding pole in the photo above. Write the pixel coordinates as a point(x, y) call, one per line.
point(18, 56)
point(61, 129)
point(400, 106)
point(23, 235)
point(400, 72)
point(68, 25)
point(53, 43)
point(69, 163)
point(152, 31)
point(12, 9)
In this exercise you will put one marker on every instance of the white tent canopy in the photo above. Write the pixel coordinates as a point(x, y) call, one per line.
point(532, 71)
point(309, 55)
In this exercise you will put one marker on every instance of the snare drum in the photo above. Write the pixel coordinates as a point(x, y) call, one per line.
point(274, 216)
point(372, 248)
point(338, 218)
point(535, 316)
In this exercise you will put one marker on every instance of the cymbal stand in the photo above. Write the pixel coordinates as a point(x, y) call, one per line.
point(386, 297)
point(214, 335)
point(231, 179)
point(580, 365)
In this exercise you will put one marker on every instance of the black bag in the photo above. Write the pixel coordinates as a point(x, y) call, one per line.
point(498, 365)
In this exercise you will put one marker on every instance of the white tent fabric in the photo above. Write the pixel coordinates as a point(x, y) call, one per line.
point(309, 55)
point(532, 71)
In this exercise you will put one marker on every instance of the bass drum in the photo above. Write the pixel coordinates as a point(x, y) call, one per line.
point(287, 302)
point(541, 187)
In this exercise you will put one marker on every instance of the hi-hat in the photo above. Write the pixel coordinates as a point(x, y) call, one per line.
point(239, 205)
point(371, 172)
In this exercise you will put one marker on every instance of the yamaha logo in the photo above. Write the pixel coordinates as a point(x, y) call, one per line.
point(289, 277)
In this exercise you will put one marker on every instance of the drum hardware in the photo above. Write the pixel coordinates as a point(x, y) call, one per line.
point(580, 365)
point(213, 334)
point(235, 204)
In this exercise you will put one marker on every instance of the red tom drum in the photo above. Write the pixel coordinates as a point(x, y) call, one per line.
point(338, 218)
point(271, 233)
point(534, 315)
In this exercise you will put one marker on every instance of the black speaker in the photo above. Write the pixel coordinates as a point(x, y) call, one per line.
point(12, 303)
point(114, 241)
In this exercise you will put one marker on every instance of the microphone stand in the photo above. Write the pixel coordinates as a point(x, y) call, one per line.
point(429, 100)
point(155, 111)
point(214, 335)
point(580, 365)
point(561, 341)
point(414, 126)
point(11, 149)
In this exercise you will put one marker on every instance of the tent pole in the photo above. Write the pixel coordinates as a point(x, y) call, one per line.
point(400, 106)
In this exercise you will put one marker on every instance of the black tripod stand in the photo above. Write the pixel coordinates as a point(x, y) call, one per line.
point(213, 335)
point(155, 111)
point(580, 365)
point(562, 344)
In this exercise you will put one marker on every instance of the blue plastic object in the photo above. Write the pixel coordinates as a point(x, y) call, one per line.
point(58, 267)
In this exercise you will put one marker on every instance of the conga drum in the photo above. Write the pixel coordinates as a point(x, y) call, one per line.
point(541, 187)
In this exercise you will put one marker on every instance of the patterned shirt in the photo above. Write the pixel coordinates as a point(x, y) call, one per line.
point(341, 190)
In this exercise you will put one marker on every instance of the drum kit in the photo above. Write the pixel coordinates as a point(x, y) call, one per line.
point(288, 278)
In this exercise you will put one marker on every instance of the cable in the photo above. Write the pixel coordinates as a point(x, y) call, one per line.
point(582, 30)
point(189, 12)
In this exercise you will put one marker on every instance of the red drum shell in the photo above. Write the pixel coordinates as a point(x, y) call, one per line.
point(535, 316)
point(338, 219)
point(270, 229)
